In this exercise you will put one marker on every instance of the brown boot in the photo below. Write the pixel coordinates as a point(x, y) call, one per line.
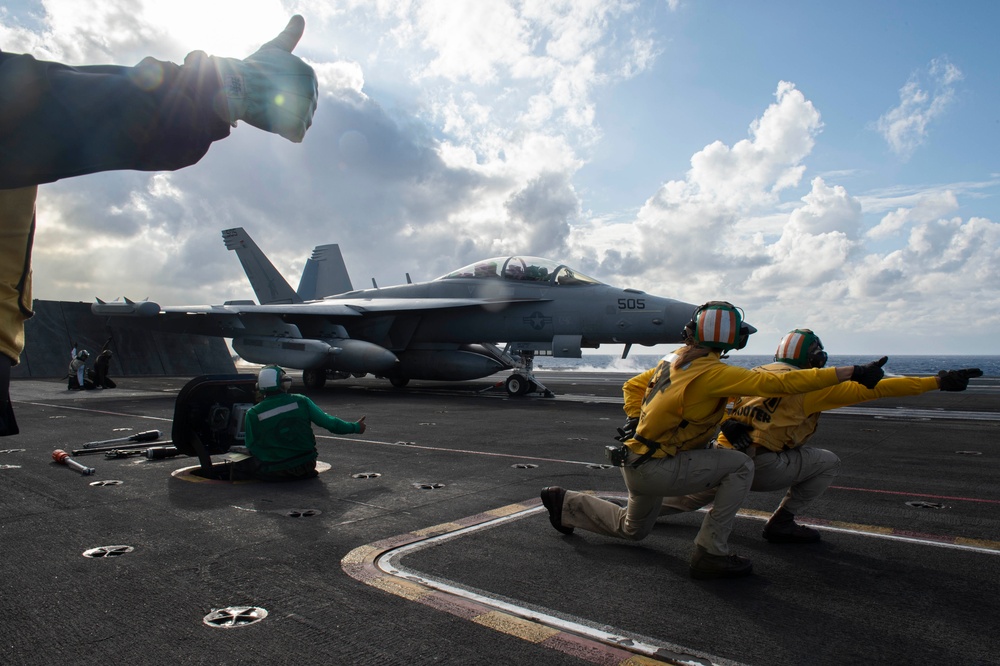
point(705, 565)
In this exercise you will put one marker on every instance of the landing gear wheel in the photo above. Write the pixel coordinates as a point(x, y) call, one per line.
point(399, 382)
point(517, 385)
point(314, 378)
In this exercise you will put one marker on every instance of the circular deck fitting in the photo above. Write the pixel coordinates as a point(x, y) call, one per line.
point(427, 423)
point(302, 513)
point(428, 486)
point(107, 551)
point(969, 453)
point(923, 504)
point(190, 474)
point(10, 467)
point(11, 450)
point(234, 616)
point(109, 482)
point(404, 443)
point(524, 466)
point(600, 466)
point(366, 475)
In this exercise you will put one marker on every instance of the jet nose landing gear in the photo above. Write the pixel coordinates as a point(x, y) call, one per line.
point(523, 381)
point(518, 384)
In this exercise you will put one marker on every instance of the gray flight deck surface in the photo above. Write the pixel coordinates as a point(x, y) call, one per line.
point(425, 542)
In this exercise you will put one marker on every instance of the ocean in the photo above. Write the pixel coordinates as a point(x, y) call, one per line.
point(897, 365)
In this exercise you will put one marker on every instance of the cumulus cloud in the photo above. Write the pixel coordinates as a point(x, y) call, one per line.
point(905, 127)
point(692, 223)
point(725, 232)
point(930, 207)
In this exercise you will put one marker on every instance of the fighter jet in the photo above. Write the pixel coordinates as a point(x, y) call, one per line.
point(447, 329)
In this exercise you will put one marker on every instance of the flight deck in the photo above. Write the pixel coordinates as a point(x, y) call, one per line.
point(424, 541)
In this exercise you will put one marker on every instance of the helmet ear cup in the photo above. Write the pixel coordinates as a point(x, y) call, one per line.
point(818, 357)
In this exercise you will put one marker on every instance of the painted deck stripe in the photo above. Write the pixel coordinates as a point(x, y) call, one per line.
point(377, 565)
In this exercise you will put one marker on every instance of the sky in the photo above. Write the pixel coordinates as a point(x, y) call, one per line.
point(823, 165)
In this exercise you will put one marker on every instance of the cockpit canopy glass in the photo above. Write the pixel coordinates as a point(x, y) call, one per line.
point(528, 269)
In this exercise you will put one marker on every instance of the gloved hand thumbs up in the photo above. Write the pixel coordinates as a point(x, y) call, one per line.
point(271, 89)
point(869, 374)
point(957, 380)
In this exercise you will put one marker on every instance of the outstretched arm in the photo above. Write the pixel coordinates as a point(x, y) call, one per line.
point(851, 393)
point(58, 121)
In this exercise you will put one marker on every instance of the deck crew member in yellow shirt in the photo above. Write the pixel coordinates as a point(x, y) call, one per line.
point(679, 405)
point(774, 430)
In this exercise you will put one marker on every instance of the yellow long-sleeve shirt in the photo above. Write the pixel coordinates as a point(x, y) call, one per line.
point(781, 423)
point(679, 407)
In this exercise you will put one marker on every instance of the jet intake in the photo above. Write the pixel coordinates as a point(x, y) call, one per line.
point(566, 346)
point(446, 364)
point(302, 353)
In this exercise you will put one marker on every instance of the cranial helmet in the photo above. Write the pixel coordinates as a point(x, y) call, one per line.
point(273, 379)
point(801, 348)
point(719, 325)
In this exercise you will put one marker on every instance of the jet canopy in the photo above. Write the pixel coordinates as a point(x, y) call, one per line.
point(528, 269)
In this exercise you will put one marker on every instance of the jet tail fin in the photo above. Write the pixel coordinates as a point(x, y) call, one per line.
point(325, 274)
point(267, 282)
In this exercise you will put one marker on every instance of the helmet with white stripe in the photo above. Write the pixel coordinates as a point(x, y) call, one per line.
point(801, 348)
point(719, 325)
point(273, 379)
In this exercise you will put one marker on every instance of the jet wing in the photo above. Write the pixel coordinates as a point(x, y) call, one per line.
point(236, 319)
point(343, 307)
point(390, 305)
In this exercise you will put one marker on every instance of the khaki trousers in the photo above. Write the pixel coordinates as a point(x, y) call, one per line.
point(726, 472)
point(805, 471)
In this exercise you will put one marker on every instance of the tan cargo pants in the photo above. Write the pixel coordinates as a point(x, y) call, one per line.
point(727, 473)
point(805, 471)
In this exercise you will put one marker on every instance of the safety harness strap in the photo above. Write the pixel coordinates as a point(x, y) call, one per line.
point(652, 446)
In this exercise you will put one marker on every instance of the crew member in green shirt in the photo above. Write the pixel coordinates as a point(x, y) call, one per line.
point(279, 434)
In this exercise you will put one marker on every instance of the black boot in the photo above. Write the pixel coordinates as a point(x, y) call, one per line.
point(552, 499)
point(8, 426)
point(782, 528)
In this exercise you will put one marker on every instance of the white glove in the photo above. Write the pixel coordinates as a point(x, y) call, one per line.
point(272, 89)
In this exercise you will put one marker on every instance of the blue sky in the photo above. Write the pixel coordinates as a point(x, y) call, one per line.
point(827, 165)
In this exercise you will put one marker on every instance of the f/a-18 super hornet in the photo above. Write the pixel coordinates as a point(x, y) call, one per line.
point(450, 328)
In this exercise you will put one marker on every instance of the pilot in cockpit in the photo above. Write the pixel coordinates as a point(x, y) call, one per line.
point(486, 269)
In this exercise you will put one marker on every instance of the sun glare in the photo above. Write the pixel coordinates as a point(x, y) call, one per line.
point(232, 28)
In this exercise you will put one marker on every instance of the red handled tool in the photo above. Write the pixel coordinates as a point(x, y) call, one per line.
point(61, 456)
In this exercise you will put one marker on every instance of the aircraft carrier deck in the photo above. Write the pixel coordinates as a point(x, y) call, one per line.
point(425, 541)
